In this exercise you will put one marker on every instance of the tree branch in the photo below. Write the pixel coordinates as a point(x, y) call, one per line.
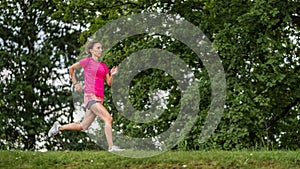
point(284, 113)
point(296, 20)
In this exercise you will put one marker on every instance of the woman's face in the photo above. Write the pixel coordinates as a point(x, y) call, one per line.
point(97, 50)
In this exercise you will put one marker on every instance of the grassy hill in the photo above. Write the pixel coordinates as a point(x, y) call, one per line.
point(171, 159)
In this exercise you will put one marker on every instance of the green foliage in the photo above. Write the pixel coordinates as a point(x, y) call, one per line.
point(35, 52)
point(262, 73)
point(257, 41)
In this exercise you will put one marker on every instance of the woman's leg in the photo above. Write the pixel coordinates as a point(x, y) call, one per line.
point(88, 119)
point(85, 124)
point(101, 111)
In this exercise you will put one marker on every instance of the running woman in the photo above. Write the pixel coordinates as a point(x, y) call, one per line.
point(95, 73)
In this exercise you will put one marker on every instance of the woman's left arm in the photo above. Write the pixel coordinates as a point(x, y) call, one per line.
point(109, 77)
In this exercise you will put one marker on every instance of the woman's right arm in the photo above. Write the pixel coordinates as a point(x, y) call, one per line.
point(72, 73)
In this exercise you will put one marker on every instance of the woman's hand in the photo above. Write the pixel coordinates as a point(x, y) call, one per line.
point(114, 70)
point(78, 87)
point(109, 78)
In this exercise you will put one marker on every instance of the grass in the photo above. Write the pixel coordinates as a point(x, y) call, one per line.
point(171, 159)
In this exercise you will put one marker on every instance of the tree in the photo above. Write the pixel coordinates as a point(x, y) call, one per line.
point(260, 57)
point(35, 52)
point(257, 41)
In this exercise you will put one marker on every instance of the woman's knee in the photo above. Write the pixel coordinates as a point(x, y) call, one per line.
point(109, 120)
point(84, 127)
point(79, 126)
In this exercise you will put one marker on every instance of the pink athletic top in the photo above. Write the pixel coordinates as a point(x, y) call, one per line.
point(94, 76)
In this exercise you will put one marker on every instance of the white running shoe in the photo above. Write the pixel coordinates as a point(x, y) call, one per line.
point(54, 129)
point(115, 148)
